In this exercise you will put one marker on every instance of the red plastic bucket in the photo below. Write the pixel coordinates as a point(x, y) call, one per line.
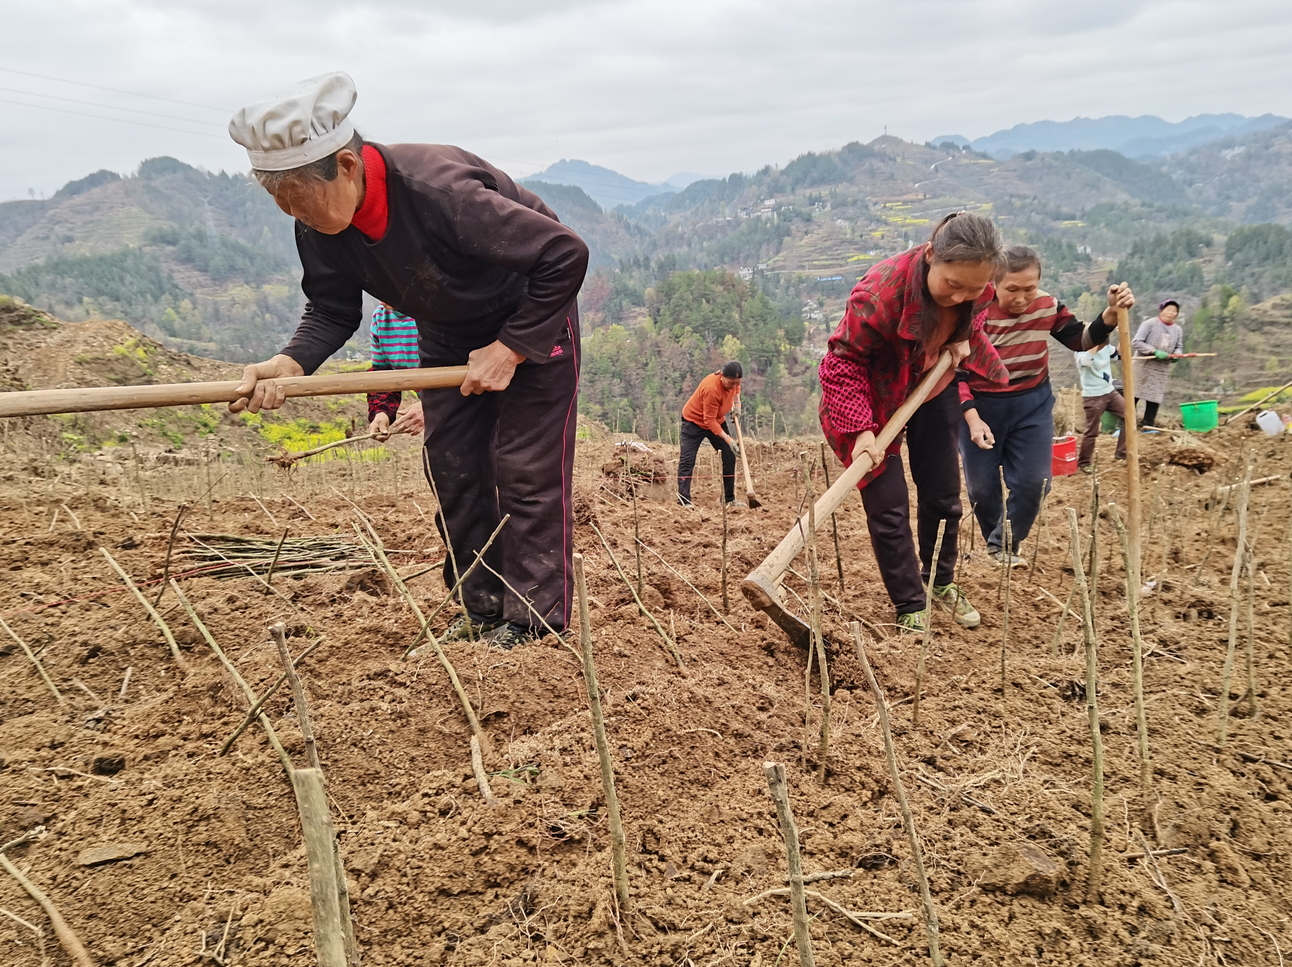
point(1064, 461)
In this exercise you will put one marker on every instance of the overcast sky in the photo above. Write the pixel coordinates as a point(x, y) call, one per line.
point(647, 87)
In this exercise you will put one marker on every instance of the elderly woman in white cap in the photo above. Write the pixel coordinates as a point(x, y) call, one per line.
point(491, 275)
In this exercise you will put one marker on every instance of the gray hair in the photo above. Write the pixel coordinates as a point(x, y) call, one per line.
point(1018, 258)
point(967, 237)
point(316, 171)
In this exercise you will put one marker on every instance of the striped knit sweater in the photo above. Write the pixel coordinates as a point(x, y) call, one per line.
point(394, 346)
point(1021, 343)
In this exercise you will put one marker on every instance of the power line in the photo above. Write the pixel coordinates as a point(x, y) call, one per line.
point(110, 107)
point(104, 117)
point(115, 90)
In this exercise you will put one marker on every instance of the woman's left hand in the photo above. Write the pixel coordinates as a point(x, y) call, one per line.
point(959, 351)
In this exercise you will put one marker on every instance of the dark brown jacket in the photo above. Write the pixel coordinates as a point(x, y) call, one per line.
point(468, 253)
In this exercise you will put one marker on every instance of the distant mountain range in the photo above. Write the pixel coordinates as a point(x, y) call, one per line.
point(608, 188)
point(1141, 137)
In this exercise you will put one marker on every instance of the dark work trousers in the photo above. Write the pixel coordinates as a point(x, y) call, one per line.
point(931, 448)
point(692, 436)
point(1150, 412)
point(1095, 406)
point(1023, 425)
point(508, 453)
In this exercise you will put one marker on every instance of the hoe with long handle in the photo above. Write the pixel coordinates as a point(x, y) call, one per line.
point(750, 496)
point(762, 586)
point(44, 401)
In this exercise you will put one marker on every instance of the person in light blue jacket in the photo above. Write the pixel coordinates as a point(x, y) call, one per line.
point(1097, 396)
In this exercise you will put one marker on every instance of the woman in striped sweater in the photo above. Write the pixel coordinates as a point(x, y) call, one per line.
point(394, 346)
point(1011, 426)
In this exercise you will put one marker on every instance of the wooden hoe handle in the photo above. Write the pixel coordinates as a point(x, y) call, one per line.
point(37, 402)
point(759, 582)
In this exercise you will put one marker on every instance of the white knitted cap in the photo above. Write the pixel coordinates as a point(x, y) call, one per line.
point(297, 126)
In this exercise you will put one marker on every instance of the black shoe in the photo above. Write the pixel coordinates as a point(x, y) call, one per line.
point(469, 627)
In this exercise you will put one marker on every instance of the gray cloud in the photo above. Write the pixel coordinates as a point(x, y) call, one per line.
point(647, 88)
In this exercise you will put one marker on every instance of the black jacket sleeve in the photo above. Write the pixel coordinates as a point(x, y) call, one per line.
point(551, 257)
point(1069, 331)
point(333, 308)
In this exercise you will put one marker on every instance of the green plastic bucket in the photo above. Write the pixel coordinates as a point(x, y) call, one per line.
point(1108, 422)
point(1200, 416)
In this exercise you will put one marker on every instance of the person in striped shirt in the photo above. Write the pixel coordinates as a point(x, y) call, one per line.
point(394, 346)
point(1011, 426)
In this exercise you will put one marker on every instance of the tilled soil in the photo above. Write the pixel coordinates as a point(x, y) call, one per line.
point(998, 773)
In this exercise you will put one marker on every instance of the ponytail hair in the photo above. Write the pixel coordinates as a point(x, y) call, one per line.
point(960, 237)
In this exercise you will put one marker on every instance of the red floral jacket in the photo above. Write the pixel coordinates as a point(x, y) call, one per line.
point(875, 355)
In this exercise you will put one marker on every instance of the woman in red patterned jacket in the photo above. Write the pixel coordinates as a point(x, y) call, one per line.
point(900, 317)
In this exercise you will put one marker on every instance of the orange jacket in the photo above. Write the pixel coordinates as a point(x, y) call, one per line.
point(710, 404)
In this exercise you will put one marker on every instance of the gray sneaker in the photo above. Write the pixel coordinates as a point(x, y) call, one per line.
point(952, 600)
point(998, 557)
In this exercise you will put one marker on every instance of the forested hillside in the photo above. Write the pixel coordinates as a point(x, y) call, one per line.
point(751, 266)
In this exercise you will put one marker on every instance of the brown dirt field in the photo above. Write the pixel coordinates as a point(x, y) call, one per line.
point(437, 877)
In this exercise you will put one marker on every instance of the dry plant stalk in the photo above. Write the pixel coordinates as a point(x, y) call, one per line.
point(1009, 583)
point(818, 640)
point(1253, 707)
point(672, 646)
point(1137, 652)
point(254, 712)
point(278, 632)
point(236, 675)
point(66, 936)
point(1221, 506)
point(834, 520)
point(1240, 560)
point(476, 562)
point(637, 527)
point(931, 927)
point(618, 858)
point(726, 601)
point(379, 554)
point(1094, 879)
point(775, 773)
point(1040, 548)
point(31, 655)
point(269, 578)
point(928, 624)
point(152, 612)
point(478, 770)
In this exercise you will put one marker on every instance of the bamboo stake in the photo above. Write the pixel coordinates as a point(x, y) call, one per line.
point(232, 669)
point(1131, 429)
point(775, 773)
point(928, 623)
point(619, 863)
point(1253, 707)
point(818, 641)
point(637, 529)
point(672, 646)
point(31, 655)
point(152, 612)
point(320, 842)
point(834, 521)
point(278, 632)
point(1240, 558)
point(1094, 879)
point(697, 591)
point(1004, 627)
point(726, 602)
point(931, 927)
point(66, 936)
point(1137, 653)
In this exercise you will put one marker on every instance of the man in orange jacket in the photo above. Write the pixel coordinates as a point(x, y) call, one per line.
point(704, 418)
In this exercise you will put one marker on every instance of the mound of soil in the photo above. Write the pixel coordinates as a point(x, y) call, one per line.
point(199, 856)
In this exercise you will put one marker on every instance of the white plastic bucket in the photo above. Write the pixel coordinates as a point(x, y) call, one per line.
point(1270, 422)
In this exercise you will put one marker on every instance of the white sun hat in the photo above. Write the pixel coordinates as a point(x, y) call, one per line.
point(297, 126)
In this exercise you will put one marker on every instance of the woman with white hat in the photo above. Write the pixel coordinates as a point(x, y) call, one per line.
point(491, 276)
